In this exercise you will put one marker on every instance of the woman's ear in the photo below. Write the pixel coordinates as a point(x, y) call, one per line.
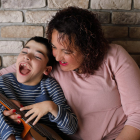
point(48, 70)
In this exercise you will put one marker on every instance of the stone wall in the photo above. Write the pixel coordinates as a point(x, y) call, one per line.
point(22, 19)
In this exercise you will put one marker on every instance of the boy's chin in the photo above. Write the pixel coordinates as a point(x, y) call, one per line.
point(20, 80)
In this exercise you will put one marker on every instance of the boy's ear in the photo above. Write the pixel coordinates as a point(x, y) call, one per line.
point(48, 70)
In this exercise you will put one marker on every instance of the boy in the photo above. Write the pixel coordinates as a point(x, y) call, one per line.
point(29, 86)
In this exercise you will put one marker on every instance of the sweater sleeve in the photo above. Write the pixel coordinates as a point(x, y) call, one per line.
point(5, 129)
point(66, 120)
point(127, 76)
point(9, 69)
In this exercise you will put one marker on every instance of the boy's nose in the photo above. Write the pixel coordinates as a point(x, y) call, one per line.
point(26, 57)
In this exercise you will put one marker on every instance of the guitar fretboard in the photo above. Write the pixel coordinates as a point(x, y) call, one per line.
point(43, 132)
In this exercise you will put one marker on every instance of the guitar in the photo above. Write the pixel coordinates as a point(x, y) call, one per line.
point(30, 132)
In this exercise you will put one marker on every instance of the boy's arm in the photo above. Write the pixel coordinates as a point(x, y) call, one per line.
point(66, 120)
point(38, 110)
point(55, 105)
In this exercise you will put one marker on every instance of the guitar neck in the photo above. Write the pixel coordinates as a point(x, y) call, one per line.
point(10, 105)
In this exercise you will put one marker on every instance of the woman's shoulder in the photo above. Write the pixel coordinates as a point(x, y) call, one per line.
point(115, 48)
point(116, 51)
point(9, 69)
point(117, 57)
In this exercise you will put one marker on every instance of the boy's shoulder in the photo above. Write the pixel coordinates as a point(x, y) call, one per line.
point(48, 80)
point(9, 75)
point(7, 79)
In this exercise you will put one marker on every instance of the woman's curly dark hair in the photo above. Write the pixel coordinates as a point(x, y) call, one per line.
point(82, 27)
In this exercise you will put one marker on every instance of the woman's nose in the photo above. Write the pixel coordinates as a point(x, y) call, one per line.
point(58, 56)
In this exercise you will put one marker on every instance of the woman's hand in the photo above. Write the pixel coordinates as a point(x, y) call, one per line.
point(11, 113)
point(38, 110)
point(129, 133)
point(11, 137)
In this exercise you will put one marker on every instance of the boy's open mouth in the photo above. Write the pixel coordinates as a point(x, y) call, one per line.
point(24, 69)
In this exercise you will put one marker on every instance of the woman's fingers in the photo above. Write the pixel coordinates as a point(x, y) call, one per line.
point(11, 114)
point(16, 102)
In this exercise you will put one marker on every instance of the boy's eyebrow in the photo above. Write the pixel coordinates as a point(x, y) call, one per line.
point(41, 53)
point(36, 50)
point(26, 47)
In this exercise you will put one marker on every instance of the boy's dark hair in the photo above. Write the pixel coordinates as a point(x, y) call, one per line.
point(84, 30)
point(45, 42)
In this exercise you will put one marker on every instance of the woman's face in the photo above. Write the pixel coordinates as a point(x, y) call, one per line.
point(68, 60)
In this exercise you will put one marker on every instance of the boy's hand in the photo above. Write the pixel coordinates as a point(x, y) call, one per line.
point(38, 110)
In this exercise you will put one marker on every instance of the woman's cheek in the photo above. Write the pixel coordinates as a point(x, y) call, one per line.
point(54, 53)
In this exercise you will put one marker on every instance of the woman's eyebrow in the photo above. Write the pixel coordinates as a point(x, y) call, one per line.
point(52, 45)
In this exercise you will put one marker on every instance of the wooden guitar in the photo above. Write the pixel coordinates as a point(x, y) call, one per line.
point(30, 132)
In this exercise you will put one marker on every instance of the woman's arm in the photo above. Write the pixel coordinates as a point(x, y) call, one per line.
point(127, 77)
point(9, 69)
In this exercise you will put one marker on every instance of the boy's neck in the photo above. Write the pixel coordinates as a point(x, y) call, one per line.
point(19, 82)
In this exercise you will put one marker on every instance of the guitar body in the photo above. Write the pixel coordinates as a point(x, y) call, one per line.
point(33, 135)
point(30, 132)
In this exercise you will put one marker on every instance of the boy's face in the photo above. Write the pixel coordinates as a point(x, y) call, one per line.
point(31, 63)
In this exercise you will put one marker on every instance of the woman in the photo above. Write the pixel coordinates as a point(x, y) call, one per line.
point(101, 82)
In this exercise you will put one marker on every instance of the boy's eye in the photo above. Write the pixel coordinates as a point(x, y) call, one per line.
point(38, 57)
point(24, 52)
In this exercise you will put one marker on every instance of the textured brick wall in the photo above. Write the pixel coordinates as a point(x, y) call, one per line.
point(22, 19)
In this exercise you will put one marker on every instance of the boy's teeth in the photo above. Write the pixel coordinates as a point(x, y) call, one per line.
point(24, 65)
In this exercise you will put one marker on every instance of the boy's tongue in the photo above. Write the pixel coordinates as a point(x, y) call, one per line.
point(24, 70)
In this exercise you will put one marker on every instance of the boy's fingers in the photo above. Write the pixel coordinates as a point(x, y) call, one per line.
point(36, 120)
point(30, 118)
point(29, 113)
point(26, 108)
